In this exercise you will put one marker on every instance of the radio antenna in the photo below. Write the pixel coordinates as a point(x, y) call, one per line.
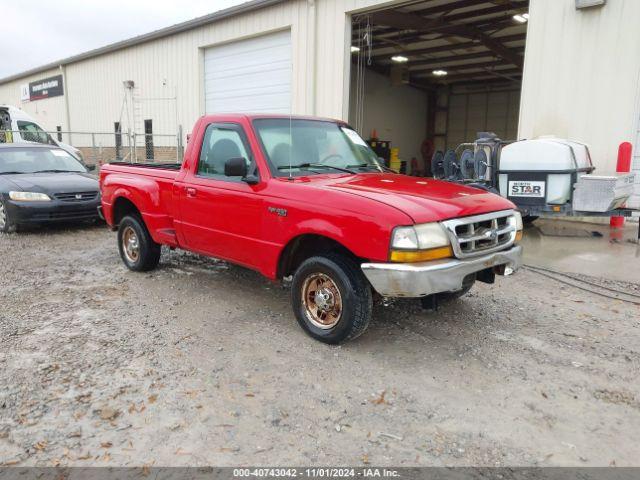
point(290, 144)
point(291, 128)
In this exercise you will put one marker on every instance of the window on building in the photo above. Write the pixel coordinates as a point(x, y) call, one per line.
point(148, 139)
point(117, 128)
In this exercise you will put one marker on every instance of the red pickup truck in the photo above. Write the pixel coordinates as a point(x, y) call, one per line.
point(306, 199)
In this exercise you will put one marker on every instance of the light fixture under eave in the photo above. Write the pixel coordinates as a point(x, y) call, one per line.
point(439, 73)
point(354, 49)
point(399, 59)
point(521, 17)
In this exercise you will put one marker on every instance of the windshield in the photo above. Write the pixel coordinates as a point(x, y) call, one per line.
point(33, 160)
point(308, 147)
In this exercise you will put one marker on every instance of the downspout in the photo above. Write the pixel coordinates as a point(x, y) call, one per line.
point(65, 91)
point(311, 57)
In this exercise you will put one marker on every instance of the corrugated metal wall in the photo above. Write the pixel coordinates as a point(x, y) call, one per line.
point(470, 113)
point(582, 75)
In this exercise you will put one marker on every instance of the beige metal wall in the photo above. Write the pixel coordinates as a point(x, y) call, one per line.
point(168, 72)
point(582, 75)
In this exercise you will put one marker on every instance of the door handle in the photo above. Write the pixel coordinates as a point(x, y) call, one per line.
point(191, 192)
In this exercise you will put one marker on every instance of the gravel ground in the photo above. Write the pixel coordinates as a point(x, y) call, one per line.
point(202, 363)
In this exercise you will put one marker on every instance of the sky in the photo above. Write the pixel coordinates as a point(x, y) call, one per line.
point(37, 33)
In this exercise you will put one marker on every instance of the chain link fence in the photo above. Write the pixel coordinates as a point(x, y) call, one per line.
point(98, 148)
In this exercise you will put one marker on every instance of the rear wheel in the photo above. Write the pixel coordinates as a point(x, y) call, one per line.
point(6, 223)
point(331, 298)
point(137, 249)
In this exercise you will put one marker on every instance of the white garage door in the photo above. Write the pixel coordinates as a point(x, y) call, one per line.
point(251, 75)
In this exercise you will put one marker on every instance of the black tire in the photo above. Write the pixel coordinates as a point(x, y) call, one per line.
point(354, 296)
point(529, 219)
point(6, 223)
point(148, 251)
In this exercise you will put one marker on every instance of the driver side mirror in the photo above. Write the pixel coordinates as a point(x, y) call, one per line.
point(91, 168)
point(235, 167)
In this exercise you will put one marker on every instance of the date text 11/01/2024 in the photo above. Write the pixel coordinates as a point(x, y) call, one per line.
point(369, 472)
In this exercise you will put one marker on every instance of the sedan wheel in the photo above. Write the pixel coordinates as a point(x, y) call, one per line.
point(6, 225)
point(3, 217)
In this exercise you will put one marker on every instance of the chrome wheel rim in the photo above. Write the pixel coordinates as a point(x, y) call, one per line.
point(130, 244)
point(322, 301)
point(3, 216)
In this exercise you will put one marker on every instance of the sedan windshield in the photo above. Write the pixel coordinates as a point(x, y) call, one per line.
point(34, 160)
point(304, 147)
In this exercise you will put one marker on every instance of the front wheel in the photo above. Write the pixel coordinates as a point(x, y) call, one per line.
point(137, 249)
point(331, 298)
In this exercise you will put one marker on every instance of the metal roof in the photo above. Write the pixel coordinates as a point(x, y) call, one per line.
point(147, 37)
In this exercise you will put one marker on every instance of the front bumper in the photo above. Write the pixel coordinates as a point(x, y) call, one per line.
point(427, 278)
point(53, 211)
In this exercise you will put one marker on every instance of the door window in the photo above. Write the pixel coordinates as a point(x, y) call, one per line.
point(30, 132)
point(219, 145)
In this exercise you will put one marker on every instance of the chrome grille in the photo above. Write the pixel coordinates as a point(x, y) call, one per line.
point(481, 234)
point(76, 196)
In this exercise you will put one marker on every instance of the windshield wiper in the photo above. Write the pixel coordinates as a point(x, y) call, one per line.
point(378, 167)
point(56, 171)
point(322, 165)
point(366, 165)
point(11, 173)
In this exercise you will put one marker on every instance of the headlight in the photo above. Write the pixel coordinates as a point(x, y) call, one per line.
point(516, 221)
point(428, 241)
point(29, 197)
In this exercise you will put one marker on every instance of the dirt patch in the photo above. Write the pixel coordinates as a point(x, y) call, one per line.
point(202, 363)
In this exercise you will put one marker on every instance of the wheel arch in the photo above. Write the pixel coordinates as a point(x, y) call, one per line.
point(123, 206)
point(307, 245)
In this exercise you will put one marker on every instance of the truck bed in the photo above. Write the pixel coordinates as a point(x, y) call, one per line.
point(157, 170)
point(167, 165)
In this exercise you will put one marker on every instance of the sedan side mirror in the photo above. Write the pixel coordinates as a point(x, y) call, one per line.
point(235, 167)
point(91, 168)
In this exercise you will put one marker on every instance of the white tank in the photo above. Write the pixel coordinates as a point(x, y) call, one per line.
point(551, 163)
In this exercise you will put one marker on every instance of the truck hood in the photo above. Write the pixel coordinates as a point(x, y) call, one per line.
point(423, 199)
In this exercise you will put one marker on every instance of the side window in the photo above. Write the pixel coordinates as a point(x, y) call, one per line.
point(219, 145)
point(31, 132)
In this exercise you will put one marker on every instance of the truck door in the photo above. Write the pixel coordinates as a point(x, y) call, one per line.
point(219, 215)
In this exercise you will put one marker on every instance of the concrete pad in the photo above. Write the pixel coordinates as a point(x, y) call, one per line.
point(584, 248)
